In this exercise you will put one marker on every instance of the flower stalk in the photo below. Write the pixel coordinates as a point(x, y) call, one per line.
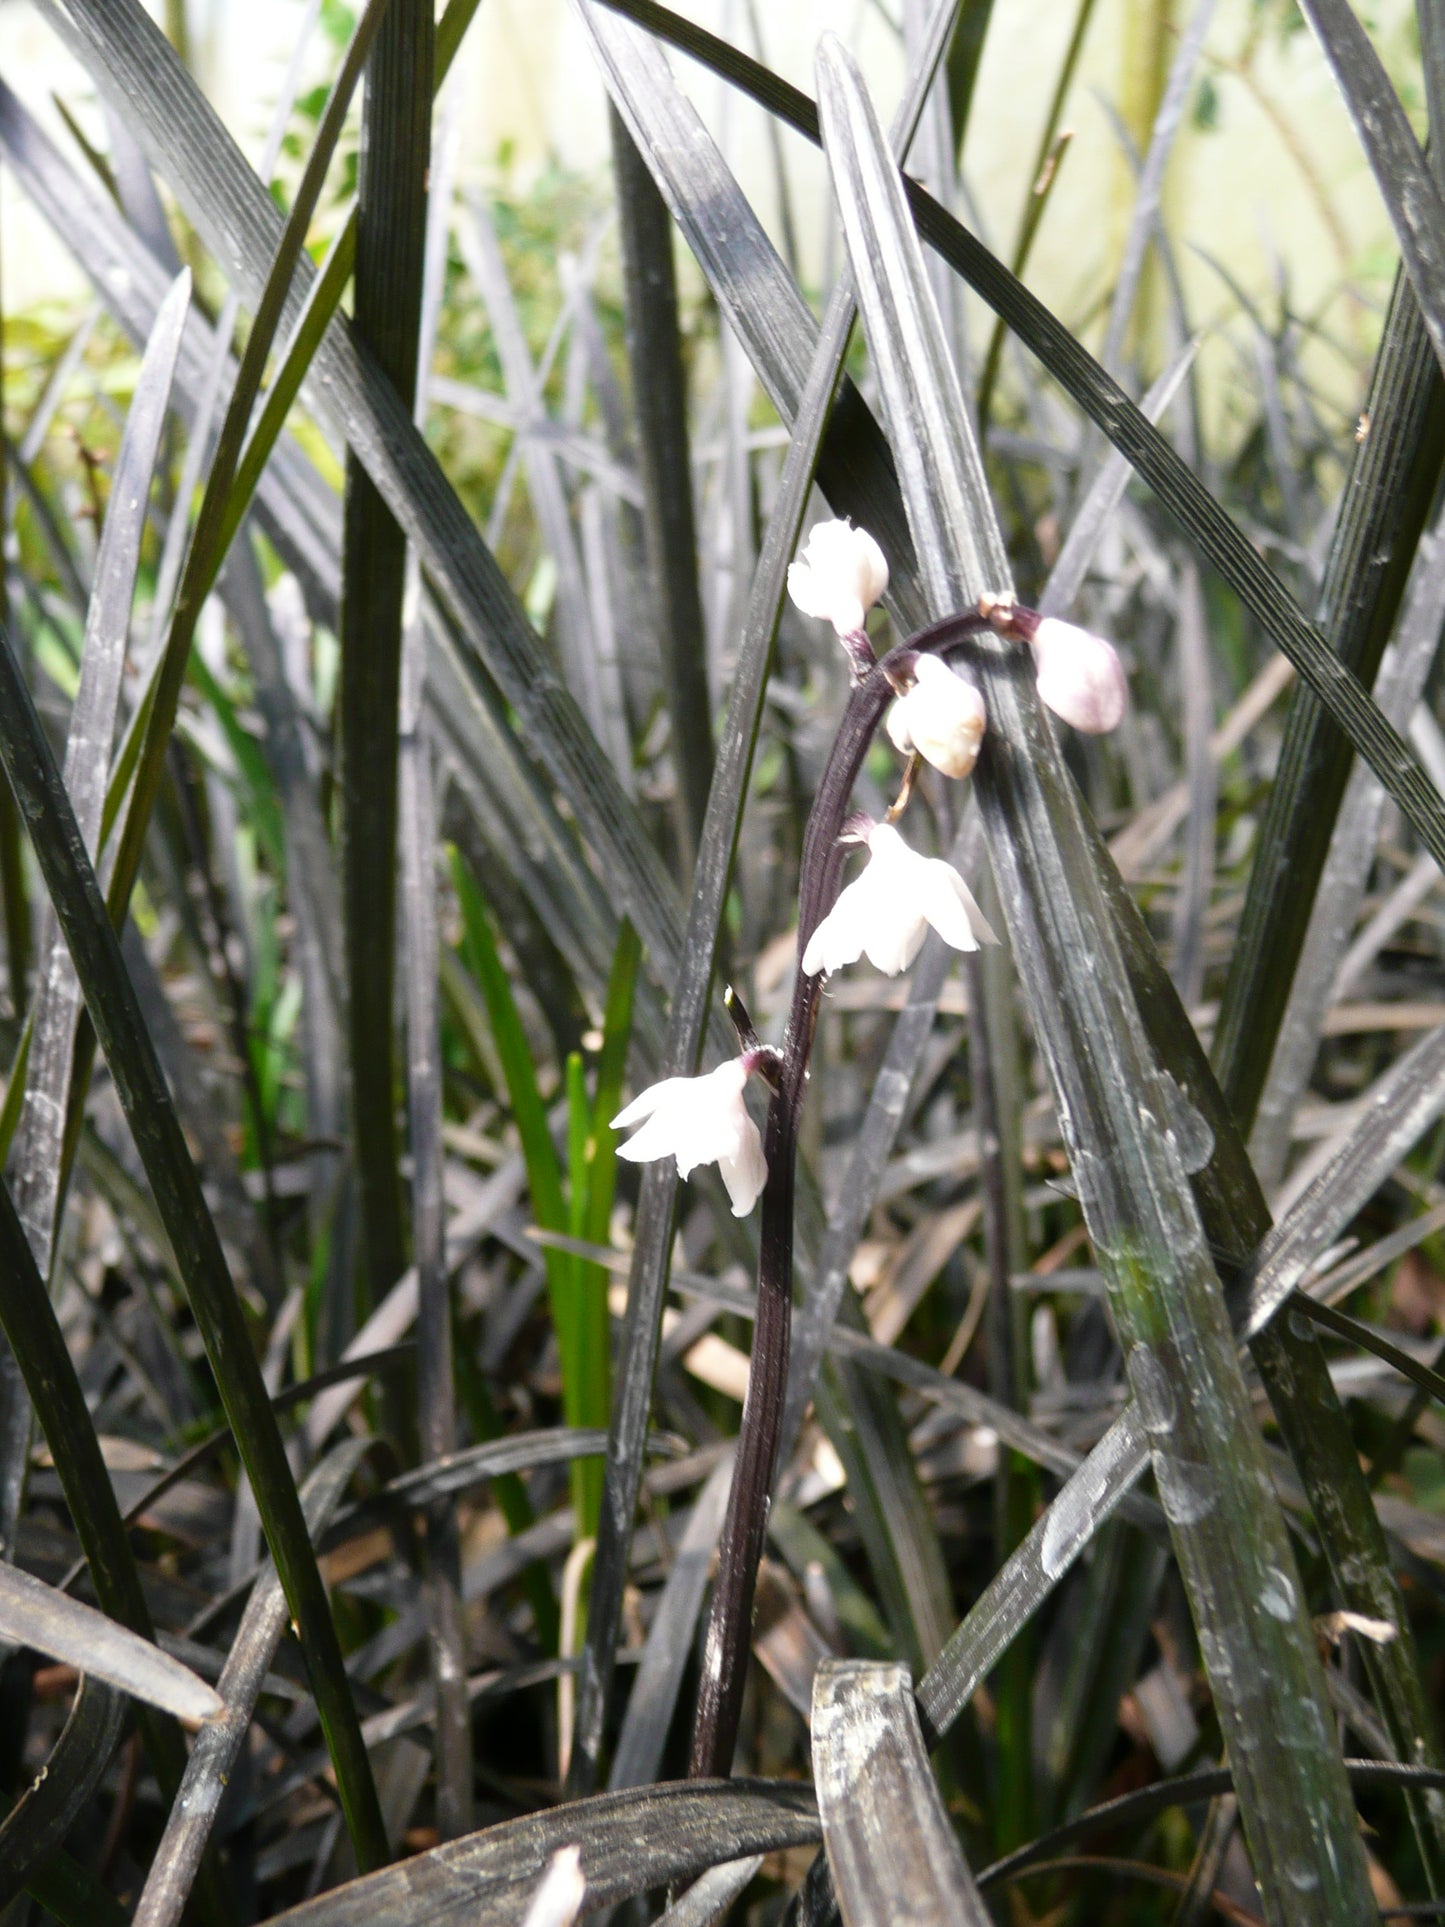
point(938, 717)
point(725, 1655)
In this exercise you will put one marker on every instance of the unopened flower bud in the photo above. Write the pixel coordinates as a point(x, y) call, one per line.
point(1080, 676)
point(839, 576)
point(941, 716)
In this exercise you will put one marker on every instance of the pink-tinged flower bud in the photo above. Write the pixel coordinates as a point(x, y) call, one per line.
point(839, 576)
point(941, 716)
point(1080, 676)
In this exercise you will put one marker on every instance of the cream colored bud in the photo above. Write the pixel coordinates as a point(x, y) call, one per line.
point(942, 717)
point(839, 576)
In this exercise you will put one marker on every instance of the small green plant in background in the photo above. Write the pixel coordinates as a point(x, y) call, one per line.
point(572, 1190)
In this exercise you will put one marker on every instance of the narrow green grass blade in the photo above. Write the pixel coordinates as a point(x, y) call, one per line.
point(139, 1082)
point(529, 1113)
point(544, 1172)
point(395, 157)
point(263, 808)
point(594, 1185)
point(1208, 1459)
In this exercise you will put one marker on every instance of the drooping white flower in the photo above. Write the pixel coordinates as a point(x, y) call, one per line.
point(700, 1120)
point(1080, 676)
point(885, 913)
point(942, 717)
point(839, 576)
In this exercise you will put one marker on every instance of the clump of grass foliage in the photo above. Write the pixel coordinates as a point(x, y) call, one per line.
point(410, 1512)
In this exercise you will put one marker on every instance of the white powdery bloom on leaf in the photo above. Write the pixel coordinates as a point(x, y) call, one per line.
point(1080, 676)
point(839, 576)
point(942, 717)
point(885, 913)
point(700, 1120)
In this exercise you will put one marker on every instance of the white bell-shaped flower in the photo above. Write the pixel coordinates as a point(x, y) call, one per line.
point(942, 717)
point(1080, 676)
point(700, 1120)
point(885, 913)
point(839, 576)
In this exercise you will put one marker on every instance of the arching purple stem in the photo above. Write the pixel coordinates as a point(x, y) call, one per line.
point(725, 1656)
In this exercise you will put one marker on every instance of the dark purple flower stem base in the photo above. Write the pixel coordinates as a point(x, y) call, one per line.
point(725, 1656)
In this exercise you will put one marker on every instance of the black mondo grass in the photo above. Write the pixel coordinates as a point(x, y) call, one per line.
point(492, 644)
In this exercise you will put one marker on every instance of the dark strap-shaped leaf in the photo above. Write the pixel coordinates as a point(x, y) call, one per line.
point(34, 1614)
point(140, 1084)
point(37, 1160)
point(194, 1810)
point(1117, 1121)
point(186, 141)
point(1405, 1104)
point(1412, 196)
point(891, 1846)
point(629, 1842)
point(40, 1819)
